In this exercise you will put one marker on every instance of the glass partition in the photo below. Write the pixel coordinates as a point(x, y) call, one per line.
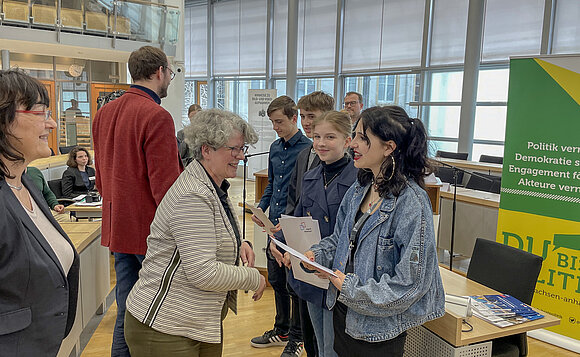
point(71, 14)
point(139, 21)
point(128, 19)
point(44, 13)
point(37, 66)
point(16, 11)
point(74, 114)
point(97, 16)
point(172, 26)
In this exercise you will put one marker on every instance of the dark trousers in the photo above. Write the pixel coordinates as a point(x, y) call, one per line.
point(346, 346)
point(277, 278)
point(308, 334)
point(127, 268)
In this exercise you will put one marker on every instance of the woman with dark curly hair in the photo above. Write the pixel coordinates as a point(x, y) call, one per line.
point(79, 177)
point(39, 267)
point(383, 249)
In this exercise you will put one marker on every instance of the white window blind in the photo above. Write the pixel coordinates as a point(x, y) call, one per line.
point(566, 29)
point(512, 28)
point(316, 36)
point(195, 27)
point(362, 35)
point(382, 34)
point(239, 37)
point(449, 31)
point(279, 37)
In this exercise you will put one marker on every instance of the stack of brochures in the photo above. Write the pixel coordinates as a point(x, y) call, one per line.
point(502, 310)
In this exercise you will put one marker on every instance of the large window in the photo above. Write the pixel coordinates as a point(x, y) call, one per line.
point(239, 37)
point(316, 36)
point(232, 95)
point(441, 111)
point(382, 34)
point(394, 89)
point(506, 20)
point(405, 52)
point(490, 113)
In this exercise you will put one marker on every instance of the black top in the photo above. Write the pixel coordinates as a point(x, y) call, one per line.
point(74, 184)
point(331, 171)
point(222, 192)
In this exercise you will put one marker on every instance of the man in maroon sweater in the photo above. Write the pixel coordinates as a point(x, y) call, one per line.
point(137, 161)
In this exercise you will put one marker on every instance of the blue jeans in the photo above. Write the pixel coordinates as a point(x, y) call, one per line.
point(323, 329)
point(127, 268)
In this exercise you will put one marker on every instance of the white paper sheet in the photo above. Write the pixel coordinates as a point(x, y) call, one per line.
point(79, 197)
point(262, 217)
point(302, 257)
point(89, 204)
point(301, 233)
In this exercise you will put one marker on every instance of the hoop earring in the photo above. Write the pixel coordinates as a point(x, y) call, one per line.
point(393, 168)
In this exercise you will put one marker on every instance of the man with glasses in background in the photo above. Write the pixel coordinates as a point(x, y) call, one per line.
point(137, 160)
point(353, 103)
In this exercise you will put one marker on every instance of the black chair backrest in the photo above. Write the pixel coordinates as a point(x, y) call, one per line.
point(505, 269)
point(446, 175)
point(491, 159)
point(452, 155)
point(65, 149)
point(481, 184)
point(56, 187)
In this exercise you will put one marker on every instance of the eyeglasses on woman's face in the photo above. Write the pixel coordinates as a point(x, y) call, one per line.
point(46, 114)
point(236, 150)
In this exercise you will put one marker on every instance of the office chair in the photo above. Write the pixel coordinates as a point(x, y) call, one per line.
point(511, 271)
point(446, 173)
point(65, 149)
point(56, 188)
point(452, 155)
point(481, 184)
point(491, 159)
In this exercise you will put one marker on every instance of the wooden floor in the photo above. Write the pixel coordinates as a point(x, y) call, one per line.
point(253, 318)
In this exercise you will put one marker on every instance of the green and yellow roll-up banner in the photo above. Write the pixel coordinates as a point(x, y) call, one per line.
point(540, 194)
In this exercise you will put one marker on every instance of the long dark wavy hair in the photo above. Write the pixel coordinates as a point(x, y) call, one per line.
point(16, 88)
point(410, 156)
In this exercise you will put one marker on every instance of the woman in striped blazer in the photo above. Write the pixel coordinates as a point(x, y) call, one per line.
point(192, 269)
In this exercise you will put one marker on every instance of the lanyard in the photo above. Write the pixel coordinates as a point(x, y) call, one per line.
point(356, 229)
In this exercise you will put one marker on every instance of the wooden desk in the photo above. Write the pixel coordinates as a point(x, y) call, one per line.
point(481, 198)
point(85, 211)
point(476, 217)
point(449, 327)
point(94, 279)
point(261, 183)
point(82, 234)
point(433, 190)
point(484, 167)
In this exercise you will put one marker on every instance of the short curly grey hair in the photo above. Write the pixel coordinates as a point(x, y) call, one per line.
point(214, 127)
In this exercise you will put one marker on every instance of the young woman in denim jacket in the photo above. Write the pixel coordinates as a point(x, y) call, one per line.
point(322, 191)
point(383, 248)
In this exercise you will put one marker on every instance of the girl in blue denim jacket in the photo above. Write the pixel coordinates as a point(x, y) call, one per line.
point(322, 191)
point(383, 249)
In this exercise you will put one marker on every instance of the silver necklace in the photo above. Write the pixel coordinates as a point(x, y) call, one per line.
point(17, 188)
point(326, 183)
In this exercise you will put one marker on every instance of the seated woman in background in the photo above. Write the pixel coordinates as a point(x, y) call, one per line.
point(79, 178)
point(383, 248)
point(38, 178)
point(193, 267)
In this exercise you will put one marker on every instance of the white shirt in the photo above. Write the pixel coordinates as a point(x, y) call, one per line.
point(60, 246)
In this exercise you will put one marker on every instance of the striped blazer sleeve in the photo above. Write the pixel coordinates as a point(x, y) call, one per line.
point(194, 224)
